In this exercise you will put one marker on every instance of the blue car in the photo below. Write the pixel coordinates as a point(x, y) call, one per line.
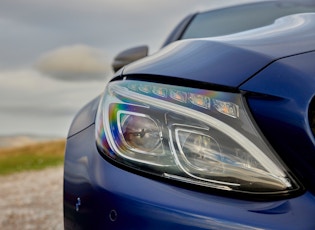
point(214, 131)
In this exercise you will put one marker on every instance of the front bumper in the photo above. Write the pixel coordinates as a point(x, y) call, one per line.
point(99, 195)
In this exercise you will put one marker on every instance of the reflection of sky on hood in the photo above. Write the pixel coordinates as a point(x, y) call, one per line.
point(33, 103)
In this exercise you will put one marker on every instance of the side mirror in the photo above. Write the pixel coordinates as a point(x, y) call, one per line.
point(128, 56)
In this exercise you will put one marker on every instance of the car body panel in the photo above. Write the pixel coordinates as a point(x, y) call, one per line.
point(285, 89)
point(142, 203)
point(273, 67)
point(176, 61)
point(84, 118)
point(243, 54)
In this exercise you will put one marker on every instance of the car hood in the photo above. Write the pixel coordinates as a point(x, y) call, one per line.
point(233, 59)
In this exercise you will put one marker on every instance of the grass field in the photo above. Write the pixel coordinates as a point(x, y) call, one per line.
point(31, 157)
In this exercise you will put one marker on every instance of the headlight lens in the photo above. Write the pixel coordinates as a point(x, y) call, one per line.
point(195, 136)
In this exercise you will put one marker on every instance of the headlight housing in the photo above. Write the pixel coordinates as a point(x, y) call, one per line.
point(191, 135)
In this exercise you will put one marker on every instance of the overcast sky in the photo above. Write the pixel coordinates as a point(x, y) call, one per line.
point(55, 55)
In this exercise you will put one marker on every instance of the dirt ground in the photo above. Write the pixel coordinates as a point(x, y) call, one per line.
point(32, 200)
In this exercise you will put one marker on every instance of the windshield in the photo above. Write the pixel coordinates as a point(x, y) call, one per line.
point(240, 18)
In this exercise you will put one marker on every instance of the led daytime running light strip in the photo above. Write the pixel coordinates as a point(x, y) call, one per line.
point(187, 98)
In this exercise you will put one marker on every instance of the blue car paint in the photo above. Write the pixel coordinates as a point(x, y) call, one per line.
point(84, 118)
point(190, 60)
point(118, 199)
point(243, 54)
point(287, 88)
point(143, 203)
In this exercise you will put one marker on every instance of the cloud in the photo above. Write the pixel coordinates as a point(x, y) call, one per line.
point(28, 88)
point(32, 103)
point(32, 27)
point(74, 63)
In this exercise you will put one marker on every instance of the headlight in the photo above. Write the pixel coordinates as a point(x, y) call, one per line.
point(190, 135)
